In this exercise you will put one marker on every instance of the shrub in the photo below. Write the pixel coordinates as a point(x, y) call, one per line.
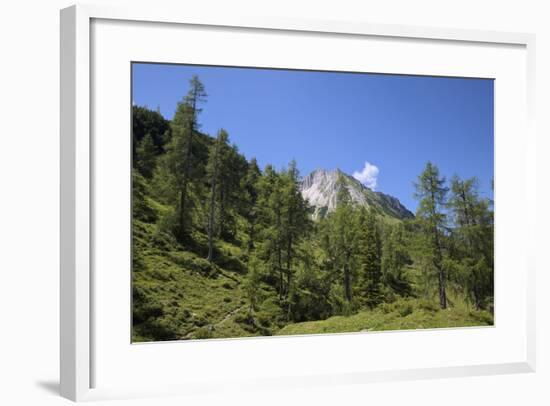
point(163, 240)
point(405, 309)
point(203, 332)
point(386, 308)
point(270, 313)
point(200, 321)
point(202, 265)
point(428, 305)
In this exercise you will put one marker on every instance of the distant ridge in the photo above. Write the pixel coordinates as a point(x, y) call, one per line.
point(320, 188)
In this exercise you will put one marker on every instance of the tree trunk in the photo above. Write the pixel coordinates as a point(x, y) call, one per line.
point(181, 231)
point(280, 266)
point(441, 271)
point(222, 209)
point(438, 255)
point(211, 218)
point(347, 283)
point(250, 244)
point(442, 293)
point(288, 265)
point(185, 181)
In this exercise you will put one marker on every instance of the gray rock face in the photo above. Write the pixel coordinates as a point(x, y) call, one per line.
point(321, 187)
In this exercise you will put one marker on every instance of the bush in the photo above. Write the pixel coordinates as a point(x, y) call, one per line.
point(141, 209)
point(231, 263)
point(386, 308)
point(245, 318)
point(405, 310)
point(202, 265)
point(203, 333)
point(191, 262)
point(271, 313)
point(428, 305)
point(163, 241)
point(161, 274)
point(200, 321)
point(483, 316)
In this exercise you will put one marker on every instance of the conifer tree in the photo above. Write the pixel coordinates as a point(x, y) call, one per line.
point(249, 201)
point(474, 232)
point(370, 259)
point(252, 283)
point(148, 122)
point(146, 155)
point(295, 222)
point(432, 193)
point(270, 209)
point(232, 170)
point(340, 240)
point(213, 173)
point(180, 157)
point(395, 257)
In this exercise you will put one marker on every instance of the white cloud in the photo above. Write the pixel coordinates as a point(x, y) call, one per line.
point(368, 176)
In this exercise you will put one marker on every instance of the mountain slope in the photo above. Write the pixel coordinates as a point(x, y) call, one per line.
point(320, 188)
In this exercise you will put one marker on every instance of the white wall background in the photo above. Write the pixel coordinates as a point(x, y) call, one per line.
point(29, 202)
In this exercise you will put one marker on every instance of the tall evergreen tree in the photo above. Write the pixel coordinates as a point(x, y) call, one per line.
point(432, 194)
point(296, 221)
point(148, 122)
point(213, 172)
point(249, 201)
point(474, 232)
point(180, 157)
point(371, 253)
point(340, 241)
point(232, 169)
point(270, 208)
point(252, 283)
point(146, 156)
point(395, 257)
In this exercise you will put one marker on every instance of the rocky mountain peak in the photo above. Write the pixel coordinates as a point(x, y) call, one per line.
point(321, 188)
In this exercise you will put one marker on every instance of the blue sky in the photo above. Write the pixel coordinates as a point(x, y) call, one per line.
point(340, 120)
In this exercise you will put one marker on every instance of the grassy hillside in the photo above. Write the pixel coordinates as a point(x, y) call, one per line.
point(179, 295)
point(400, 315)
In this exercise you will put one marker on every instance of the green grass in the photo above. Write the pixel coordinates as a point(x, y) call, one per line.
point(404, 314)
point(178, 294)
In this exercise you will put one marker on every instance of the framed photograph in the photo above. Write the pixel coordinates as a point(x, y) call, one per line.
point(283, 202)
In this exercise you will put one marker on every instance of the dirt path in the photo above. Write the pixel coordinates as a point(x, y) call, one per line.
point(226, 318)
point(229, 315)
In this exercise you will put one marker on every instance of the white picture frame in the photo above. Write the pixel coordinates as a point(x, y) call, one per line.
point(77, 283)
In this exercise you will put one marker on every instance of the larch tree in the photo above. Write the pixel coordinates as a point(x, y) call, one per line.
point(295, 221)
point(249, 201)
point(474, 232)
point(180, 158)
point(432, 195)
point(252, 284)
point(213, 173)
point(270, 215)
point(395, 257)
point(341, 240)
point(146, 156)
point(370, 253)
point(232, 170)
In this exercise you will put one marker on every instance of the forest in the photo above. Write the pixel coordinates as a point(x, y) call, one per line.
point(222, 248)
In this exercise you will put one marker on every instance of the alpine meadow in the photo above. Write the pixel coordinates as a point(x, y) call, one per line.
point(273, 202)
